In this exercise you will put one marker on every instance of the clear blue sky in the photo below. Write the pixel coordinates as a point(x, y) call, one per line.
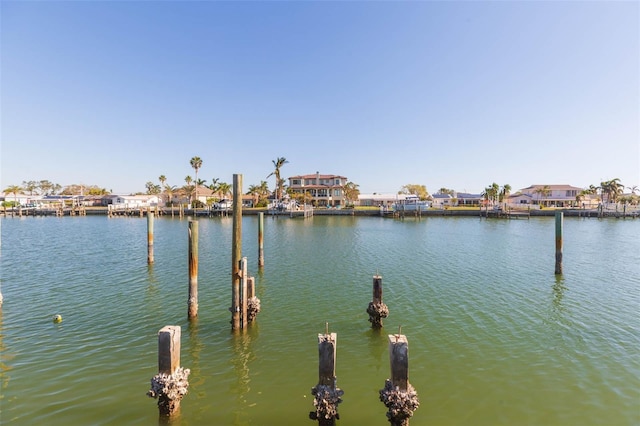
point(442, 94)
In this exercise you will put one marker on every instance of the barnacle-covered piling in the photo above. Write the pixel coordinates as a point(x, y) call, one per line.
point(377, 309)
point(171, 383)
point(326, 394)
point(398, 395)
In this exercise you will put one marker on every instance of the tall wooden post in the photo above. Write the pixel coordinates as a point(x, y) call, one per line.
point(398, 395)
point(193, 269)
point(236, 252)
point(170, 384)
point(327, 395)
point(150, 238)
point(559, 224)
point(260, 239)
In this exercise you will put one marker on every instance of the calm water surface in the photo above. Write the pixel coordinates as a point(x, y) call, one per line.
point(495, 338)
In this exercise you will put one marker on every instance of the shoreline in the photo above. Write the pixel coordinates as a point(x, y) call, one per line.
point(509, 214)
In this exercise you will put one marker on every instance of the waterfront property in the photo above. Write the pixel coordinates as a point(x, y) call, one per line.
point(552, 195)
point(322, 190)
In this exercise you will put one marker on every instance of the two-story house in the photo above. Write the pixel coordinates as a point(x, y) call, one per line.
point(547, 195)
point(322, 190)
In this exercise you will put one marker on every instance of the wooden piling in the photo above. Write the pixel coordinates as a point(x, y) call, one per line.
point(170, 384)
point(169, 349)
point(398, 395)
point(150, 259)
point(260, 239)
point(399, 359)
point(243, 293)
point(559, 225)
point(193, 270)
point(377, 310)
point(236, 252)
point(327, 395)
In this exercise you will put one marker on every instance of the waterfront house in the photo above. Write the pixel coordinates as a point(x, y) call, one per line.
point(21, 199)
point(552, 195)
point(377, 200)
point(323, 190)
point(467, 199)
point(441, 201)
point(130, 201)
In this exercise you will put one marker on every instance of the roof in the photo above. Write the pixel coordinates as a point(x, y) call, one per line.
point(552, 187)
point(316, 175)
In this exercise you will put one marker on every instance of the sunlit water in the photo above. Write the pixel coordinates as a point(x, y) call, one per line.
point(495, 338)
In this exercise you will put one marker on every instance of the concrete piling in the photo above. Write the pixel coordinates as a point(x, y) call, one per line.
point(170, 385)
point(377, 309)
point(398, 395)
point(326, 395)
point(193, 270)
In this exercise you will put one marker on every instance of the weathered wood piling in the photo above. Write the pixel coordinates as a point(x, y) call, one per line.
point(398, 395)
point(559, 225)
point(326, 395)
point(236, 253)
point(150, 258)
point(377, 309)
point(193, 270)
point(260, 239)
point(170, 385)
point(253, 303)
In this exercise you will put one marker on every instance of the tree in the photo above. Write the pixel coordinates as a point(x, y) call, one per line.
point(224, 189)
point(152, 188)
point(169, 190)
point(30, 186)
point(188, 188)
point(633, 189)
point(278, 163)
point(505, 191)
point(13, 189)
point(196, 163)
point(351, 192)
point(446, 191)
point(492, 193)
point(48, 188)
point(415, 189)
point(612, 188)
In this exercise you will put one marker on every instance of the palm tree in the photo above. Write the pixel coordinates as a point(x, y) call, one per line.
point(169, 190)
point(188, 188)
point(196, 163)
point(351, 192)
point(278, 163)
point(13, 189)
point(162, 180)
point(224, 189)
point(505, 191)
point(633, 189)
point(612, 189)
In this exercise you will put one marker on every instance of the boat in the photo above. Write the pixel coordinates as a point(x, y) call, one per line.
point(410, 203)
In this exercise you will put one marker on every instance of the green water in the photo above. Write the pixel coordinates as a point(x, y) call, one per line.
point(495, 338)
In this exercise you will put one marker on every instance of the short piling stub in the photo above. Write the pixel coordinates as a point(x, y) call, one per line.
point(170, 385)
point(326, 394)
point(377, 310)
point(398, 395)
